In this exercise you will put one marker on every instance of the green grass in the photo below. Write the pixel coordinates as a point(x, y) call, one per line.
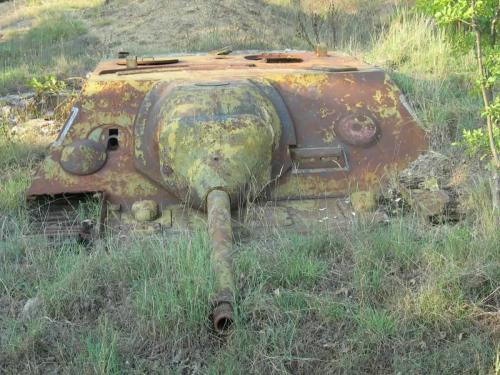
point(100, 355)
point(407, 297)
point(115, 302)
point(17, 161)
point(58, 44)
point(438, 81)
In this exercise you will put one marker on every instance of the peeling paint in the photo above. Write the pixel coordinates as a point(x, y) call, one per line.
point(171, 129)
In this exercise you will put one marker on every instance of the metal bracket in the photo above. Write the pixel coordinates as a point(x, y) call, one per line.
point(67, 127)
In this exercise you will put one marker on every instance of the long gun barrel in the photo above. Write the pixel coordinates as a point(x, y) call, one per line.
point(220, 232)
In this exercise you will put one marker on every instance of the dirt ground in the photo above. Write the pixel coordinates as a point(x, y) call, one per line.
point(199, 25)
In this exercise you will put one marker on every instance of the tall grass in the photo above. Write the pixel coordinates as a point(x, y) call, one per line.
point(402, 298)
point(438, 82)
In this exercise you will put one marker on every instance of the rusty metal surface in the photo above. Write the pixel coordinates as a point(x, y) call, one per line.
point(219, 135)
point(151, 61)
point(344, 126)
point(221, 236)
point(83, 157)
point(243, 61)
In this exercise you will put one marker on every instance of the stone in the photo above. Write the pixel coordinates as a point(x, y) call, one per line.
point(428, 171)
point(5, 111)
point(430, 203)
point(36, 127)
point(8, 115)
point(17, 101)
point(31, 309)
point(364, 201)
point(431, 184)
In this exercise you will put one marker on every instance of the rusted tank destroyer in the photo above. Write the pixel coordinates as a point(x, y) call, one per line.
point(158, 143)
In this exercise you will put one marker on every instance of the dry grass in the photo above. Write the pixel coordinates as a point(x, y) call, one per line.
point(44, 37)
point(255, 24)
point(76, 34)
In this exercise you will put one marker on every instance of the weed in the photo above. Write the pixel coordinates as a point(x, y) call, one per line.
point(49, 85)
point(437, 82)
point(101, 355)
point(174, 295)
point(17, 161)
point(21, 341)
point(89, 209)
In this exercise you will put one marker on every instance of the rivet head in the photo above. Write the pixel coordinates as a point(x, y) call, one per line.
point(321, 50)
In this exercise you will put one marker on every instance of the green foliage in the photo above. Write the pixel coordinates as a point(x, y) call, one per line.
point(47, 85)
point(478, 18)
point(450, 11)
point(101, 355)
point(476, 142)
point(492, 64)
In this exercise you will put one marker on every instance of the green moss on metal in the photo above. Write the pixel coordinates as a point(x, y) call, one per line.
point(217, 137)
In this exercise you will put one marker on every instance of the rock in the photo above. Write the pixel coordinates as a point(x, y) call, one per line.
point(431, 169)
point(8, 115)
point(364, 201)
point(47, 103)
point(27, 104)
point(434, 185)
point(431, 184)
point(13, 108)
point(430, 203)
point(6, 111)
point(49, 115)
point(18, 101)
point(36, 127)
point(31, 309)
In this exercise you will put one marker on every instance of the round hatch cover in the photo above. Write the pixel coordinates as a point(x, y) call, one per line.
point(83, 157)
point(357, 129)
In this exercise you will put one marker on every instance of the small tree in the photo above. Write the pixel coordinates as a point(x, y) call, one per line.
point(476, 27)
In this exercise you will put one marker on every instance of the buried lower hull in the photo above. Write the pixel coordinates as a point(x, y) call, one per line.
point(86, 217)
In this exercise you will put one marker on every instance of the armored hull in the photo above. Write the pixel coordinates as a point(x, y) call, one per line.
point(276, 139)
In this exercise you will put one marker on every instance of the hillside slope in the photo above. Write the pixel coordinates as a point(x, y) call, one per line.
point(199, 25)
point(68, 37)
